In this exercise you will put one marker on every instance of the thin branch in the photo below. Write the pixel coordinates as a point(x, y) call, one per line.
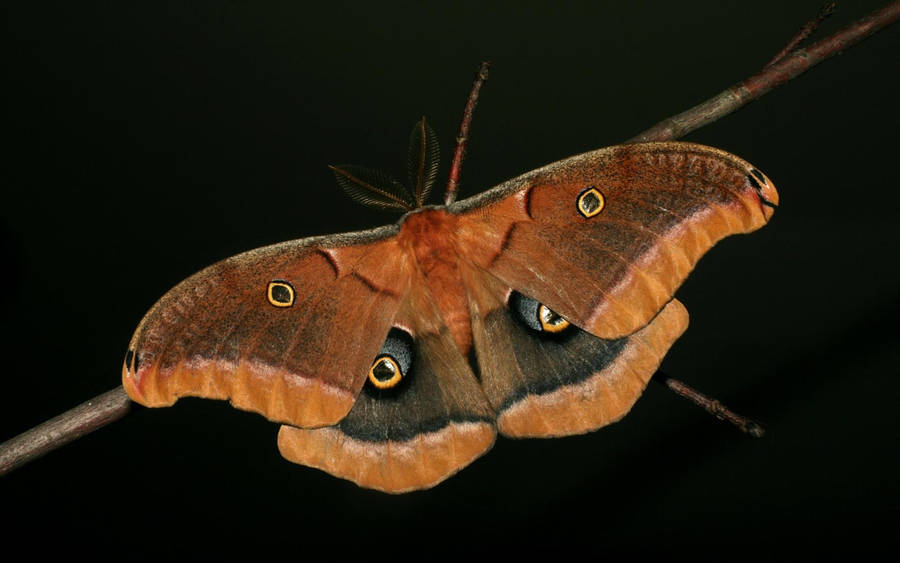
point(463, 138)
point(808, 29)
point(114, 404)
point(710, 405)
point(59, 431)
point(770, 78)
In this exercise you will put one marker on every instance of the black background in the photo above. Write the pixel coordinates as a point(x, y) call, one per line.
point(145, 142)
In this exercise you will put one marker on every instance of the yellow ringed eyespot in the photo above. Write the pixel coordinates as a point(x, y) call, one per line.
point(280, 293)
point(590, 202)
point(385, 372)
point(550, 320)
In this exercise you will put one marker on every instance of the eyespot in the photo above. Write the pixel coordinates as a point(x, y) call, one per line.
point(551, 321)
point(393, 362)
point(590, 202)
point(535, 315)
point(280, 293)
point(385, 373)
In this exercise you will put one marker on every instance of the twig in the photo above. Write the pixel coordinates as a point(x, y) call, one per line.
point(112, 405)
point(463, 138)
point(808, 29)
point(59, 431)
point(770, 78)
point(710, 405)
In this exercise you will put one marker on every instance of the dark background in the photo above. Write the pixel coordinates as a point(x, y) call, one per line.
point(145, 142)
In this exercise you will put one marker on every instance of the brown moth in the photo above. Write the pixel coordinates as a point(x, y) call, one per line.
point(394, 356)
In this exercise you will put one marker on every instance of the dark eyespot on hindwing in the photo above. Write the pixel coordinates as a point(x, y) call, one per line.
point(393, 364)
point(535, 315)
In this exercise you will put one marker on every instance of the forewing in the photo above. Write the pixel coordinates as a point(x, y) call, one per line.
point(662, 206)
point(228, 332)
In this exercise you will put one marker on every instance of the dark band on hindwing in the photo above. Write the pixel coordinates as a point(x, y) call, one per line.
point(548, 361)
point(416, 405)
point(546, 383)
point(435, 421)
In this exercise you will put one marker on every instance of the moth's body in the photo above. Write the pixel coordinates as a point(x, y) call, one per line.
point(561, 282)
point(430, 237)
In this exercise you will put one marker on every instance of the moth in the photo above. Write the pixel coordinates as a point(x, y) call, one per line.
point(393, 357)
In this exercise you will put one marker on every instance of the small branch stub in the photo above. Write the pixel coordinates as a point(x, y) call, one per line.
point(808, 29)
point(710, 405)
point(462, 138)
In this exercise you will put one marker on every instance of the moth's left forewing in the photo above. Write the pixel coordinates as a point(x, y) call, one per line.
point(413, 436)
point(287, 331)
point(605, 238)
